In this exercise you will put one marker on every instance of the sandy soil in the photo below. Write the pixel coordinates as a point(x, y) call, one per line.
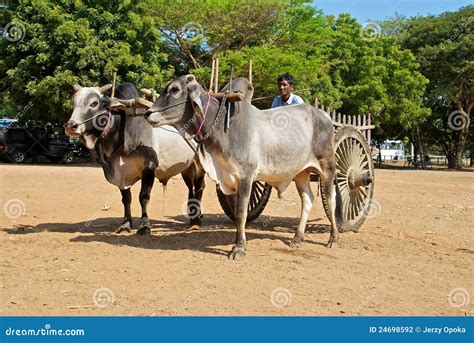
point(61, 257)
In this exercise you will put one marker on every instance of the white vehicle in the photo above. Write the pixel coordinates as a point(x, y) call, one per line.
point(391, 151)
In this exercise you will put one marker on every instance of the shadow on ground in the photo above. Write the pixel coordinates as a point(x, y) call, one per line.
point(172, 233)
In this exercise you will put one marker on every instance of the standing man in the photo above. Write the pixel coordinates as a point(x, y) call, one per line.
point(285, 88)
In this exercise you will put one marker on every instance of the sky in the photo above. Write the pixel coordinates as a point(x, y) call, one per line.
point(364, 10)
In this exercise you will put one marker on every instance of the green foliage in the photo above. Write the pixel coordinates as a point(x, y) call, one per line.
point(68, 42)
point(444, 47)
point(85, 41)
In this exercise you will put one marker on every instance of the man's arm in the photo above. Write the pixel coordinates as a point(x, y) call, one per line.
point(275, 102)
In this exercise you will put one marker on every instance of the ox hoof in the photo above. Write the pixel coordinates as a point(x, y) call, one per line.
point(145, 222)
point(193, 227)
point(144, 231)
point(332, 244)
point(195, 221)
point(296, 245)
point(124, 227)
point(236, 253)
point(297, 242)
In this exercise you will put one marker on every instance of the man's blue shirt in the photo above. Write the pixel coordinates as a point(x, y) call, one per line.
point(292, 100)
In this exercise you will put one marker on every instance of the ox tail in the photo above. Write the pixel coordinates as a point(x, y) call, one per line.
point(163, 198)
point(338, 211)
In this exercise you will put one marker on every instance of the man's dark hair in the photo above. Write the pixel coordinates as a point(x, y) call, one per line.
point(286, 77)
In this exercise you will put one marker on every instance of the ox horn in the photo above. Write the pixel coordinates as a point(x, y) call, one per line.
point(132, 103)
point(106, 88)
point(190, 78)
point(76, 87)
point(150, 93)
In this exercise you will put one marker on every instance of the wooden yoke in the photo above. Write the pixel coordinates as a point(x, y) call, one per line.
point(231, 96)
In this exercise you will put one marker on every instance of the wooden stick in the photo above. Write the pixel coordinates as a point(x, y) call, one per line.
point(272, 96)
point(250, 71)
point(113, 84)
point(216, 80)
point(369, 122)
point(212, 73)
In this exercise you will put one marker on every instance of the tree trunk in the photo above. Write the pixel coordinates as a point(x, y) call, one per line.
point(461, 138)
point(420, 149)
point(451, 161)
point(471, 164)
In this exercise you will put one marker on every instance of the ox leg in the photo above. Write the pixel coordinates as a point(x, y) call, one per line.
point(194, 180)
point(148, 178)
point(126, 201)
point(307, 198)
point(327, 177)
point(243, 196)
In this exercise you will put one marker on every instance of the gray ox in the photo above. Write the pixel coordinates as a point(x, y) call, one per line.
point(276, 146)
point(130, 149)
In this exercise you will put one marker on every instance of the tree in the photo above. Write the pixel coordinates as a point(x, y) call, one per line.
point(444, 47)
point(81, 42)
point(197, 30)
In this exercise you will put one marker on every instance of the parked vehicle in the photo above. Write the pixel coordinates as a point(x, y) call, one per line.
point(20, 144)
point(6, 123)
point(390, 151)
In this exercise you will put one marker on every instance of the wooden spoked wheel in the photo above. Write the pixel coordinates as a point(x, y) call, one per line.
point(258, 200)
point(355, 178)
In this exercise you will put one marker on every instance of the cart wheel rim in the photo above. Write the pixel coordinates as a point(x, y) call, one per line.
point(259, 197)
point(355, 178)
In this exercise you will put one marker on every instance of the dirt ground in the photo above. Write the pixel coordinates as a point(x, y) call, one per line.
point(59, 254)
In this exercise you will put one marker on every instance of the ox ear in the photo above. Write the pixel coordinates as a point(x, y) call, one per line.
point(105, 89)
point(77, 88)
point(195, 96)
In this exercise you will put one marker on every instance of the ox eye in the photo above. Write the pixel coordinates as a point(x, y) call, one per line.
point(95, 104)
point(174, 89)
